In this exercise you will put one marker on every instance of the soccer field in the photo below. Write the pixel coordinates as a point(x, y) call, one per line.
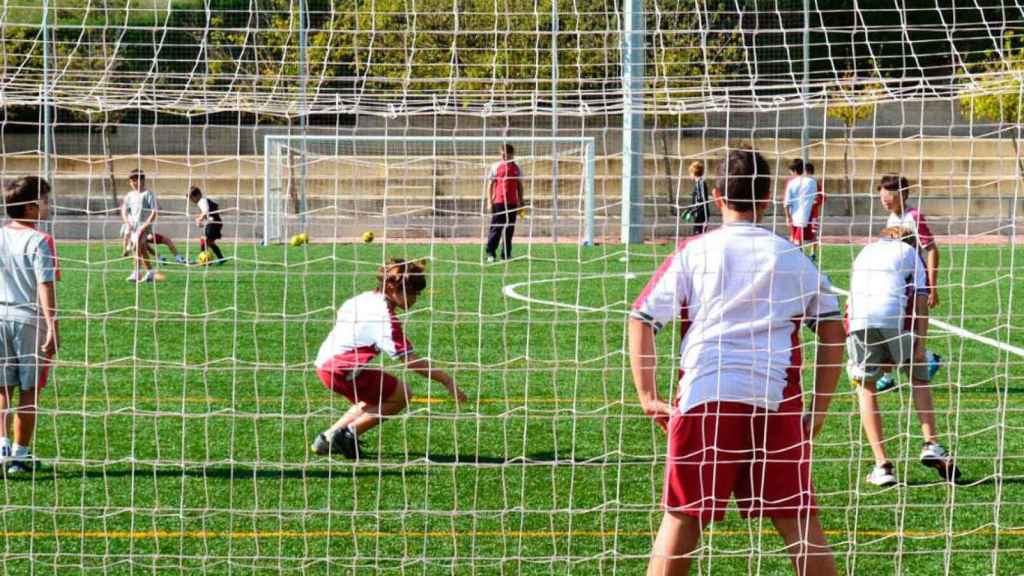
point(175, 429)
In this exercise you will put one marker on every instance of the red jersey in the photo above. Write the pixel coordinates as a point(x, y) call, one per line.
point(505, 178)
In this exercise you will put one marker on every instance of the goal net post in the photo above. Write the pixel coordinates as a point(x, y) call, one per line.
point(337, 186)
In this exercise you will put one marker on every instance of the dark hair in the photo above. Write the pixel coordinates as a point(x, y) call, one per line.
point(797, 165)
point(744, 178)
point(137, 174)
point(23, 191)
point(195, 192)
point(408, 277)
point(895, 183)
point(808, 168)
point(508, 149)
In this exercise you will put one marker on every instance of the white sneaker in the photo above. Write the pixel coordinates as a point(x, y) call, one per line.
point(933, 455)
point(180, 259)
point(134, 277)
point(882, 475)
point(149, 277)
point(490, 259)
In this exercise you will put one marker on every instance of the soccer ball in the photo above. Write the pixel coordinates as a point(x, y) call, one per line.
point(367, 237)
point(304, 238)
point(204, 258)
point(296, 240)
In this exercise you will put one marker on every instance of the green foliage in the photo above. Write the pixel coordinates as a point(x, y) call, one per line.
point(994, 93)
point(854, 100)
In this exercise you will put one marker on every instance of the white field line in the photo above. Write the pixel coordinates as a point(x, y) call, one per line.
point(510, 291)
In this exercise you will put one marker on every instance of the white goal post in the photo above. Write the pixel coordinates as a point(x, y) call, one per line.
point(362, 176)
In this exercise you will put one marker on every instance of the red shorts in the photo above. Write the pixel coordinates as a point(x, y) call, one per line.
point(719, 449)
point(803, 235)
point(366, 385)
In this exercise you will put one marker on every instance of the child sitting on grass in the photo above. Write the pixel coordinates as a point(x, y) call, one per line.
point(366, 326)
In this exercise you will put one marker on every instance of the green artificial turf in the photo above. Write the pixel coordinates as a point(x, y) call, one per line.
point(175, 429)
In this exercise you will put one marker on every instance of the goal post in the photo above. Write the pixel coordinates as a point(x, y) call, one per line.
point(363, 177)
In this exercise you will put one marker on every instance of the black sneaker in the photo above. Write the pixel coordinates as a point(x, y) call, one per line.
point(21, 465)
point(347, 444)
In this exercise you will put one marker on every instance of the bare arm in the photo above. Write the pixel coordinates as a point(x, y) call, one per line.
point(48, 306)
point(826, 373)
point(932, 265)
point(643, 362)
point(423, 368)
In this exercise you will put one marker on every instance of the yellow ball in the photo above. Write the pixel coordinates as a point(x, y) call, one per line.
point(304, 238)
point(295, 241)
point(204, 258)
point(367, 237)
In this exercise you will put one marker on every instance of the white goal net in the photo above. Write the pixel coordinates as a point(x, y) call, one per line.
point(175, 433)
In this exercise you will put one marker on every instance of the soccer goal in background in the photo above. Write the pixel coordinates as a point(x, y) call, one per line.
point(336, 187)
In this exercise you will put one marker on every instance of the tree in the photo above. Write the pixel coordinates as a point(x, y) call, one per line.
point(853, 100)
point(992, 90)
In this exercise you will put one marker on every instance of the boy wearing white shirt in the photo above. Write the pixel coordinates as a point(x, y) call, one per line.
point(801, 194)
point(741, 294)
point(888, 321)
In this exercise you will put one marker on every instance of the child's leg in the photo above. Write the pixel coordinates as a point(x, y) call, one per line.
point(353, 413)
point(871, 420)
point(677, 537)
point(216, 249)
point(161, 239)
point(25, 418)
point(922, 394)
point(5, 411)
point(373, 415)
point(807, 546)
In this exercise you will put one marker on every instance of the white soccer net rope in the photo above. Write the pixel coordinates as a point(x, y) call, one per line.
point(175, 432)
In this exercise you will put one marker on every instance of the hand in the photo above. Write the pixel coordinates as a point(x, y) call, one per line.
point(658, 410)
point(813, 423)
point(933, 298)
point(49, 347)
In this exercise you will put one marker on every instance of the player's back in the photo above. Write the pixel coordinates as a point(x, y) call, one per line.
point(748, 291)
point(882, 273)
point(359, 325)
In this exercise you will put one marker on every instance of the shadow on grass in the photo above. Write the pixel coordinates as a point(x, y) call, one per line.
point(535, 458)
point(326, 470)
point(966, 482)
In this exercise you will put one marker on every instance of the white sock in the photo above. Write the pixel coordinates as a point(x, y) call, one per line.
point(5, 445)
point(19, 451)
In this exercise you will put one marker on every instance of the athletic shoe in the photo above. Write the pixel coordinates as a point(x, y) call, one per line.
point(882, 475)
point(935, 456)
point(180, 259)
point(321, 446)
point(20, 464)
point(347, 444)
point(490, 259)
point(134, 277)
point(5, 454)
point(163, 260)
point(885, 383)
point(934, 364)
point(149, 277)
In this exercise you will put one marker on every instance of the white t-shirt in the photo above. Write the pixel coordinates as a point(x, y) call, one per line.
point(139, 205)
point(741, 293)
point(800, 194)
point(912, 219)
point(27, 258)
point(365, 326)
point(885, 275)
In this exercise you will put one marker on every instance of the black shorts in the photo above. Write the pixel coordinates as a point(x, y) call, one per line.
point(212, 232)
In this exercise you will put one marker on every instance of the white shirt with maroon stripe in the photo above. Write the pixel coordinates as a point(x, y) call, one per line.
point(912, 219)
point(366, 325)
point(740, 293)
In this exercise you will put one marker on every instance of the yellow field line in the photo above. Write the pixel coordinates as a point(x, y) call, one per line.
point(290, 534)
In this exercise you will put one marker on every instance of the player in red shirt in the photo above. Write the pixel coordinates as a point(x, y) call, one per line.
point(505, 195)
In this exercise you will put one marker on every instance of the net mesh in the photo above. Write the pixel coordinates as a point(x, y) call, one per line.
point(174, 435)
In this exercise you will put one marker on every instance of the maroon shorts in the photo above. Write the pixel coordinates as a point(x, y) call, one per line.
point(721, 449)
point(370, 386)
point(803, 235)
